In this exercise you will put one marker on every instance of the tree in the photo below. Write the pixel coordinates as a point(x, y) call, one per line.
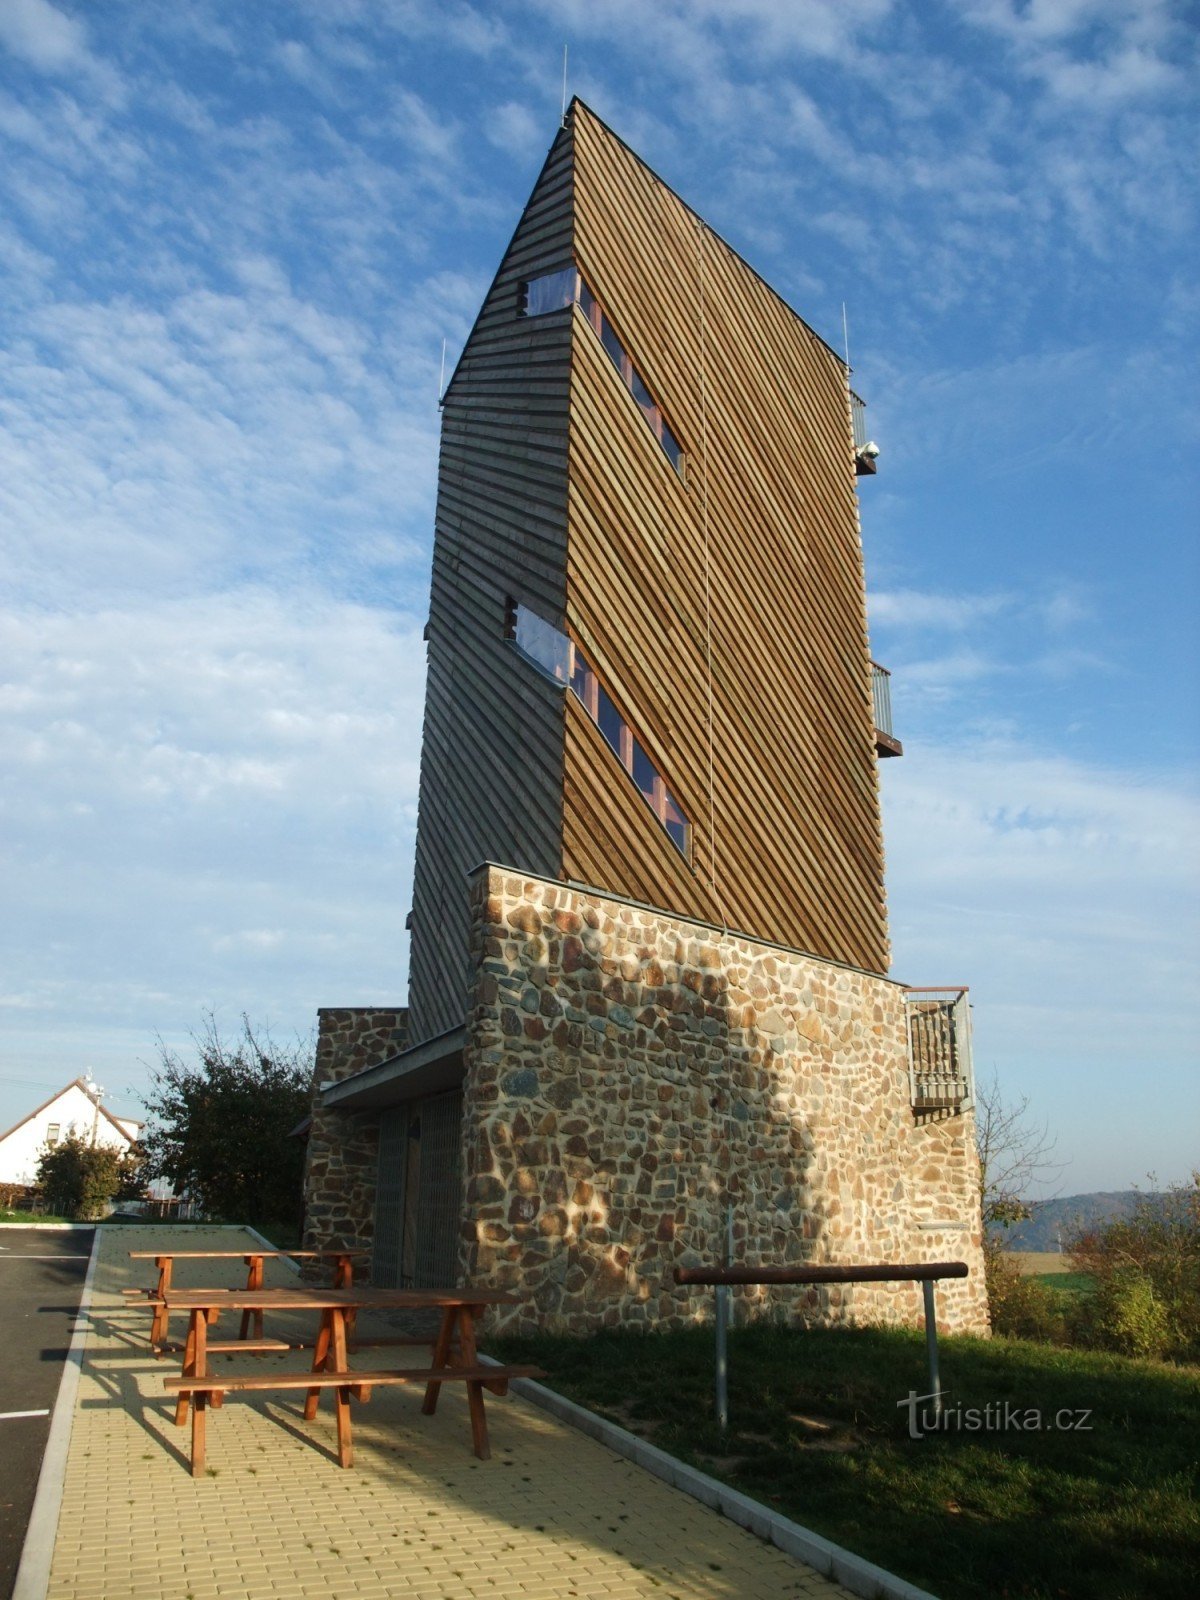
point(1146, 1271)
point(1014, 1153)
point(77, 1179)
point(220, 1127)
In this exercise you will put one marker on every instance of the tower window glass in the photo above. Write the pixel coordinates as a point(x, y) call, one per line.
point(561, 659)
point(557, 290)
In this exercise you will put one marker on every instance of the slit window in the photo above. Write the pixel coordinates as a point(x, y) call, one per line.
point(561, 659)
point(557, 290)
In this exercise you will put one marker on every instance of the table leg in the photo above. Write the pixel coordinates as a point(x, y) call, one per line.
point(217, 1398)
point(470, 1358)
point(441, 1357)
point(198, 1441)
point(158, 1326)
point(189, 1366)
point(341, 1395)
point(199, 1400)
point(254, 1280)
point(320, 1361)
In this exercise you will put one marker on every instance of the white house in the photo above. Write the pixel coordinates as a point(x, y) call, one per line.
point(73, 1110)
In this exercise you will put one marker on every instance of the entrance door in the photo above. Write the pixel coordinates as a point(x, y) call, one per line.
point(418, 1201)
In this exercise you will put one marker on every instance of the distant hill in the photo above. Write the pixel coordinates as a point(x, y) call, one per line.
point(1055, 1219)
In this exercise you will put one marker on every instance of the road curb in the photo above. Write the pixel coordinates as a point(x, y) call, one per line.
point(37, 1553)
point(853, 1572)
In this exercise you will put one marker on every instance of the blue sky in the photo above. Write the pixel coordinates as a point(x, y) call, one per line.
point(232, 241)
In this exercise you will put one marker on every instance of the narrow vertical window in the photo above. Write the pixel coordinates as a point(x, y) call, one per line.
point(560, 658)
point(554, 291)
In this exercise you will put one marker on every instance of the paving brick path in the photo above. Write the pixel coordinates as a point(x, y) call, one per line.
point(552, 1515)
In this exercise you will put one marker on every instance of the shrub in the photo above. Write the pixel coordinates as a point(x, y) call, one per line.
point(1124, 1315)
point(1020, 1306)
point(1147, 1272)
point(77, 1179)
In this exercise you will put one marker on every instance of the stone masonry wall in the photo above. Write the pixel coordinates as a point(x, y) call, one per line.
point(628, 1073)
point(343, 1146)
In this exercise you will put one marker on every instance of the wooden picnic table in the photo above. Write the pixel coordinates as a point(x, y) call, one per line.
point(455, 1357)
point(164, 1260)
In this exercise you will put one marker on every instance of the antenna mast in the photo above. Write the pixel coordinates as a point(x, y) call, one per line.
point(564, 94)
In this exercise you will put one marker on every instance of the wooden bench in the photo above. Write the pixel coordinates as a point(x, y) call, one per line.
point(347, 1385)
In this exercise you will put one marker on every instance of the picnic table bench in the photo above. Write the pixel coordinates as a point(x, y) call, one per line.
point(343, 1278)
point(455, 1358)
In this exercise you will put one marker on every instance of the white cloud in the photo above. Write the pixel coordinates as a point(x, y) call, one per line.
point(42, 34)
point(911, 609)
point(516, 129)
point(1056, 889)
point(213, 803)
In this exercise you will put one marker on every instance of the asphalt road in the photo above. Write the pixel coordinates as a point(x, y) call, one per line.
point(41, 1280)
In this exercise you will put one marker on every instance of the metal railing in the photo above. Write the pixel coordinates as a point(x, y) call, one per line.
point(940, 1066)
point(881, 698)
point(858, 417)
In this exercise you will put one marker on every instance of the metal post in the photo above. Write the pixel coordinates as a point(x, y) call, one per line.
point(931, 1345)
point(722, 1330)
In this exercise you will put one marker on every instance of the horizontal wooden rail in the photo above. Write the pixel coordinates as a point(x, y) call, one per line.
point(926, 1273)
point(912, 1272)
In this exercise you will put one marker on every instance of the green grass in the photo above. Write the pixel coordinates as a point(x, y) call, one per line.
point(1067, 1282)
point(24, 1218)
point(1107, 1514)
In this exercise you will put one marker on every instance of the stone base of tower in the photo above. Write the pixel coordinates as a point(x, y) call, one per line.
point(629, 1075)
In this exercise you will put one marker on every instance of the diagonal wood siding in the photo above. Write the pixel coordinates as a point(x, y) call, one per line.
point(491, 757)
point(760, 404)
point(553, 489)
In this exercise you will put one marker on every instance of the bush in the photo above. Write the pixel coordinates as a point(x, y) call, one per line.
point(1124, 1315)
point(1147, 1272)
point(77, 1179)
point(1020, 1306)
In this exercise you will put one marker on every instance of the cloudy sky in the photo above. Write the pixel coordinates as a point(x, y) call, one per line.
point(232, 241)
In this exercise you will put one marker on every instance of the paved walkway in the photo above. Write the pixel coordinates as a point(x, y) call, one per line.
point(552, 1515)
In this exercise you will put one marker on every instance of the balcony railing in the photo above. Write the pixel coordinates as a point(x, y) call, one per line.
point(940, 1067)
point(865, 450)
point(886, 743)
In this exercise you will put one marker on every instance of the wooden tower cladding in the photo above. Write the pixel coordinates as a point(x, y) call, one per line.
point(718, 601)
point(491, 751)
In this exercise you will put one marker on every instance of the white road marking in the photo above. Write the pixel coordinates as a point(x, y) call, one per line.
point(7, 1416)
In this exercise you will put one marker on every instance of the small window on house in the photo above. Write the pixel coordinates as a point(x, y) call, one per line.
point(52, 1132)
point(553, 292)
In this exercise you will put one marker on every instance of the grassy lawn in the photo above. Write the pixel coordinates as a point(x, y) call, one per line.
point(1107, 1514)
point(1068, 1282)
point(25, 1218)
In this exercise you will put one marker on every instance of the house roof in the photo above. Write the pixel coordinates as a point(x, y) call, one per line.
point(76, 1083)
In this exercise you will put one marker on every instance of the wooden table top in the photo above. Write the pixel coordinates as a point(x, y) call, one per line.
point(302, 1298)
point(239, 1255)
